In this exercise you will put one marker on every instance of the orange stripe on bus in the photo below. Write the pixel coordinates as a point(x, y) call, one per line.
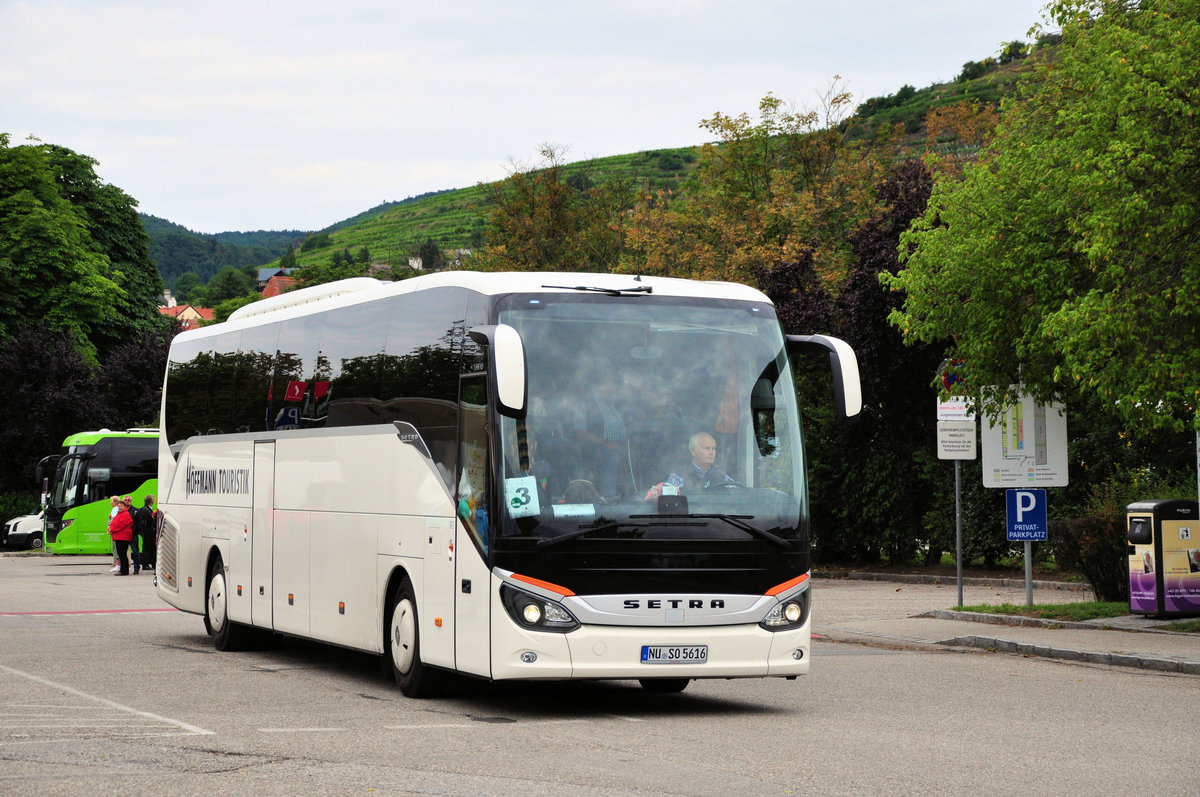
point(785, 586)
point(537, 582)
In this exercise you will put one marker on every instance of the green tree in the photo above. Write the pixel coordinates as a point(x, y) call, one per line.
point(187, 285)
point(341, 265)
point(116, 232)
point(50, 266)
point(229, 283)
point(224, 309)
point(543, 220)
point(768, 192)
point(431, 256)
point(1069, 256)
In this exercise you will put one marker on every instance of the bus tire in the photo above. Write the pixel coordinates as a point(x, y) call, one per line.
point(664, 686)
point(402, 649)
point(226, 634)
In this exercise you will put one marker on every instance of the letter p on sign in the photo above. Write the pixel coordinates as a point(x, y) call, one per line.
point(1026, 502)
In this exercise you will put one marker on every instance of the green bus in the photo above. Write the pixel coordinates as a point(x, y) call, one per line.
point(95, 466)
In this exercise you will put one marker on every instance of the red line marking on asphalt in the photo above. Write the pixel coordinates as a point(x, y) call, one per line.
point(86, 611)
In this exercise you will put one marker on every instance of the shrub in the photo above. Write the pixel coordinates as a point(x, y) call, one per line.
point(1094, 542)
point(16, 504)
point(1095, 547)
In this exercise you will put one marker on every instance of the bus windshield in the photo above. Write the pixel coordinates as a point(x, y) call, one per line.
point(652, 417)
point(70, 486)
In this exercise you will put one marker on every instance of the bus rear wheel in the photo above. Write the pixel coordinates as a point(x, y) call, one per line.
point(664, 686)
point(403, 647)
point(226, 634)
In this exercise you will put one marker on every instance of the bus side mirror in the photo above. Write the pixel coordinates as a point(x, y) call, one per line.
point(847, 387)
point(506, 363)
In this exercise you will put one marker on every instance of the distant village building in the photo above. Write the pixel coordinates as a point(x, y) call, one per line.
point(189, 317)
point(265, 275)
point(277, 284)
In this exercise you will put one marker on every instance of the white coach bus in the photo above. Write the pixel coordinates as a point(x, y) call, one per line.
point(488, 474)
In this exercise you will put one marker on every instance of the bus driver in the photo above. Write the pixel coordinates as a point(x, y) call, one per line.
point(699, 474)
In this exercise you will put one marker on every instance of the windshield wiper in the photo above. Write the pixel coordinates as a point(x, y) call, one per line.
point(603, 525)
point(737, 521)
point(734, 520)
point(607, 291)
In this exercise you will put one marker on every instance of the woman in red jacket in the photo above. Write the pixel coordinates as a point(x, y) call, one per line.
point(120, 528)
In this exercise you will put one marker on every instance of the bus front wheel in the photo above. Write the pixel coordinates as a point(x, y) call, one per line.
point(227, 635)
point(403, 647)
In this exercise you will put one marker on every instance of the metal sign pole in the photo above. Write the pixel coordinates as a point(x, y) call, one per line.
point(1028, 573)
point(958, 526)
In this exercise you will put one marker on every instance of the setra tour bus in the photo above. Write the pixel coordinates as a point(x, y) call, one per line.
point(94, 467)
point(487, 474)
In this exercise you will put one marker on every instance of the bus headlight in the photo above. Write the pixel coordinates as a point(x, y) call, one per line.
point(536, 614)
point(787, 614)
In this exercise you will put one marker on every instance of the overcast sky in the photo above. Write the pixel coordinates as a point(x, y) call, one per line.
point(295, 115)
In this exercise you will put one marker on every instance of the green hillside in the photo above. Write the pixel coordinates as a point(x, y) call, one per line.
point(455, 219)
point(176, 250)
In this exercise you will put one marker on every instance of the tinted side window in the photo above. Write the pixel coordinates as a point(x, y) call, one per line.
point(419, 372)
point(223, 383)
point(187, 390)
point(353, 341)
point(256, 379)
point(135, 455)
point(298, 370)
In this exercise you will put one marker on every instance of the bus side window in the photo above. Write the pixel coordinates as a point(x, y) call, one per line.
point(473, 457)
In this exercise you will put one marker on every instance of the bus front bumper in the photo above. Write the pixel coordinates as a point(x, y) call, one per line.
point(610, 652)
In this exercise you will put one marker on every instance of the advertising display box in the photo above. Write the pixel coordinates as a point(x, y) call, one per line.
point(1164, 558)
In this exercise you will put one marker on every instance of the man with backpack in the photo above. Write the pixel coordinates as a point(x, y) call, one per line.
point(145, 524)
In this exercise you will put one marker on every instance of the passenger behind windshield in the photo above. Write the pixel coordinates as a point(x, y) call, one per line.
point(598, 427)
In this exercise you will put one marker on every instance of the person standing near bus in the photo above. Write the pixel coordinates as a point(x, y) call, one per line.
point(134, 549)
point(143, 528)
point(120, 528)
point(115, 507)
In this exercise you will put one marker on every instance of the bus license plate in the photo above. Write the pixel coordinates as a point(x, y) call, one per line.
point(674, 654)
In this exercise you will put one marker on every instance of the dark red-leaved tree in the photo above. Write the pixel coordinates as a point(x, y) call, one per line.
point(50, 392)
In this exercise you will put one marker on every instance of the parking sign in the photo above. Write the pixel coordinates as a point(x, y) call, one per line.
point(1026, 512)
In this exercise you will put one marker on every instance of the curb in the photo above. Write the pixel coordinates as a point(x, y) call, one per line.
point(1026, 622)
point(1066, 654)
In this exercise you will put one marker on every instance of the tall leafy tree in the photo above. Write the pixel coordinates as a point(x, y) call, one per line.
point(116, 232)
point(1070, 255)
point(51, 390)
point(72, 250)
point(541, 219)
point(189, 288)
point(229, 283)
point(132, 376)
point(50, 267)
point(765, 193)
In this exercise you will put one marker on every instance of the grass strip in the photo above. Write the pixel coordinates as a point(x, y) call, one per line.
point(1074, 612)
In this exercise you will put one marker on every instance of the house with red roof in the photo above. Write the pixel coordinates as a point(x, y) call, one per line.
point(278, 284)
point(189, 317)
